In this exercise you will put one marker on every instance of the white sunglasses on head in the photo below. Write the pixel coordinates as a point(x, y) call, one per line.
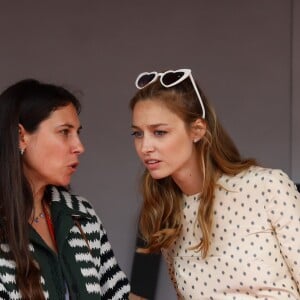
point(169, 79)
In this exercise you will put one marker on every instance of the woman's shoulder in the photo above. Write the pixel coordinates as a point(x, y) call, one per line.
point(256, 175)
point(262, 173)
point(72, 200)
point(267, 174)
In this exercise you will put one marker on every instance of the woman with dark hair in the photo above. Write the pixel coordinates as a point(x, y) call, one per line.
point(52, 243)
point(227, 227)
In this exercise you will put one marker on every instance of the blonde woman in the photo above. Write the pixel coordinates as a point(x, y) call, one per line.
point(227, 227)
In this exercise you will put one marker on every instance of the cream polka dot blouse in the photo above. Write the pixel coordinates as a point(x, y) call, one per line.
point(255, 246)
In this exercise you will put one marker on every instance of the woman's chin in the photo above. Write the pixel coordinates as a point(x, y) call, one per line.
point(158, 175)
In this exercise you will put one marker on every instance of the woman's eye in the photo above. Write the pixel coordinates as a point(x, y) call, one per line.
point(159, 132)
point(137, 134)
point(65, 131)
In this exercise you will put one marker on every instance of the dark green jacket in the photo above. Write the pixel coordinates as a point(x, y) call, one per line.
point(85, 262)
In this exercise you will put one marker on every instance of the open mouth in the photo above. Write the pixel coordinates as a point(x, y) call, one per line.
point(152, 163)
point(74, 166)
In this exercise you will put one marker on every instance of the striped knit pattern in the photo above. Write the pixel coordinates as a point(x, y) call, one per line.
point(93, 258)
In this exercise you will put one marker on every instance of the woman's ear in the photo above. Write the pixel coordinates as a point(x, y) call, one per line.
point(22, 138)
point(198, 130)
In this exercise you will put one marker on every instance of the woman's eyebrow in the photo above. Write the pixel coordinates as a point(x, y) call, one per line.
point(151, 125)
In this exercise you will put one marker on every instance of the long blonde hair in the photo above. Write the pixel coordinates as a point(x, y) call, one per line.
point(160, 217)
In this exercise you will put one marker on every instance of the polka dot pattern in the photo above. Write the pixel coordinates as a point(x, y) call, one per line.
point(255, 246)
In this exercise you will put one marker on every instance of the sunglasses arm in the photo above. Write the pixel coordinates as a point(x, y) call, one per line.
point(198, 94)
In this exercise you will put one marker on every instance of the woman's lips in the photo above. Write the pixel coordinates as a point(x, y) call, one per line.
point(152, 163)
point(73, 166)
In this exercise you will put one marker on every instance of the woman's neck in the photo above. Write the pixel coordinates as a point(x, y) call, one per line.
point(38, 196)
point(190, 181)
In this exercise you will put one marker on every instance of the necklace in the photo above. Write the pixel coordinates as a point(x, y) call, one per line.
point(40, 216)
point(45, 214)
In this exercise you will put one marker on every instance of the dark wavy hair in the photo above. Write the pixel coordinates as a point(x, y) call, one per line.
point(27, 102)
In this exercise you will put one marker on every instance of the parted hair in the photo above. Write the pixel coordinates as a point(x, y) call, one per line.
point(160, 216)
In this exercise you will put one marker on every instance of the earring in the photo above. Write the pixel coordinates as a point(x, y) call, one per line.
point(22, 151)
point(195, 141)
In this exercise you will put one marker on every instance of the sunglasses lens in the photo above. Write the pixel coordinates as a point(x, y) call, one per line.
point(171, 77)
point(145, 79)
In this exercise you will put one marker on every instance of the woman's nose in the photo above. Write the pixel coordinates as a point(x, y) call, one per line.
point(79, 148)
point(147, 145)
